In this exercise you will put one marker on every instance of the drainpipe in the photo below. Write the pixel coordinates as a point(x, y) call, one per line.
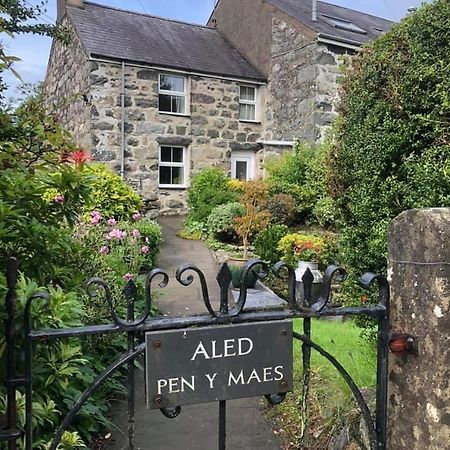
point(122, 123)
point(314, 10)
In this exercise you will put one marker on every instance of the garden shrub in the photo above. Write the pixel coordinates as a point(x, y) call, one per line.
point(297, 247)
point(117, 251)
point(326, 213)
point(392, 149)
point(266, 242)
point(61, 369)
point(301, 173)
point(282, 208)
point(45, 188)
point(221, 221)
point(41, 196)
point(110, 195)
point(192, 229)
point(209, 188)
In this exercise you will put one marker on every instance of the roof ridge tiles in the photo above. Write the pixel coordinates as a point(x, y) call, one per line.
point(144, 14)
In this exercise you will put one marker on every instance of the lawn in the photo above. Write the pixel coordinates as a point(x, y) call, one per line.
point(330, 404)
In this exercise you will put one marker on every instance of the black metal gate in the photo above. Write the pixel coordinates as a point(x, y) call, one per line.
point(305, 309)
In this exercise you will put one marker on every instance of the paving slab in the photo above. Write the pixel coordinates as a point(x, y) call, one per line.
point(196, 428)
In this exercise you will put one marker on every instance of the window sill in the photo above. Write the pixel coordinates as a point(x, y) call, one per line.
point(166, 113)
point(173, 186)
point(250, 121)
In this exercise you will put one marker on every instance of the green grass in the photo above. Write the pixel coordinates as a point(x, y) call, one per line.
point(330, 404)
point(343, 341)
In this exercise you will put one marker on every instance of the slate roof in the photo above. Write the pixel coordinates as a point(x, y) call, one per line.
point(302, 11)
point(125, 35)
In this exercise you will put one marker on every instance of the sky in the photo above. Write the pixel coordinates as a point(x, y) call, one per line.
point(34, 50)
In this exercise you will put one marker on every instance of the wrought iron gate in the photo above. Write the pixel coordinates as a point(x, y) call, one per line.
point(305, 309)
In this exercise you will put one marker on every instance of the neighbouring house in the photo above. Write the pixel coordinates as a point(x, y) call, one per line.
point(160, 99)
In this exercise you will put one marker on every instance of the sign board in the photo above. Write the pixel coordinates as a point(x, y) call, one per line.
point(224, 362)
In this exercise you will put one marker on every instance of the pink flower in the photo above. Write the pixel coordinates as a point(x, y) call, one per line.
point(128, 276)
point(136, 216)
point(136, 233)
point(112, 221)
point(104, 250)
point(145, 249)
point(59, 198)
point(116, 234)
point(95, 217)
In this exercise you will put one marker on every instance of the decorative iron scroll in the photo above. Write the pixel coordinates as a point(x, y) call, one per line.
point(227, 313)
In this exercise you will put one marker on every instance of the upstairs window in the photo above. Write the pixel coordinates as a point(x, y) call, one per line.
point(247, 103)
point(172, 94)
point(172, 166)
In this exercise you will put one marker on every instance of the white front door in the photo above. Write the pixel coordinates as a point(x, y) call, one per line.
point(243, 165)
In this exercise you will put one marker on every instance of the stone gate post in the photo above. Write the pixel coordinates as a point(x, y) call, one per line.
point(419, 386)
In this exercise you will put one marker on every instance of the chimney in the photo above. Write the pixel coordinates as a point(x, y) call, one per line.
point(314, 10)
point(62, 5)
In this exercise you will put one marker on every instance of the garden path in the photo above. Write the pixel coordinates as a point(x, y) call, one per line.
point(197, 426)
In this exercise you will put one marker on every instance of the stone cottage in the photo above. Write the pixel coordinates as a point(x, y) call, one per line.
point(160, 99)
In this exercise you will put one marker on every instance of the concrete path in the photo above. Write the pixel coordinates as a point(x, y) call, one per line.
point(197, 426)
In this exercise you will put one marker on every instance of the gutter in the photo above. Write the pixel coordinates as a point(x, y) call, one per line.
point(341, 42)
point(260, 82)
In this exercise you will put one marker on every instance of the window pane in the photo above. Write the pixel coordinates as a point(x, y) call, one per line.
point(177, 175)
point(165, 103)
point(247, 112)
point(178, 105)
point(248, 93)
point(164, 175)
point(241, 170)
point(177, 155)
point(171, 83)
point(166, 154)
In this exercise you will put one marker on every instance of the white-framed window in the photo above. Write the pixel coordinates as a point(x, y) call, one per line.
point(247, 103)
point(173, 166)
point(243, 165)
point(172, 94)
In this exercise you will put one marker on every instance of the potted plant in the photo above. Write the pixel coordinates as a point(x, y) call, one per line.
point(303, 252)
point(236, 277)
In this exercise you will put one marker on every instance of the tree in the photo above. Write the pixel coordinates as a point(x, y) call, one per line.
point(15, 17)
point(392, 149)
point(255, 217)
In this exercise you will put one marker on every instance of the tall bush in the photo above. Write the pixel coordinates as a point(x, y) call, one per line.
point(41, 196)
point(209, 188)
point(301, 173)
point(110, 195)
point(221, 221)
point(392, 150)
point(266, 242)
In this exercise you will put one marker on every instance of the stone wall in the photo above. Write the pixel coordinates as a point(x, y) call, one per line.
point(67, 86)
point(302, 89)
point(291, 88)
point(302, 74)
point(210, 132)
point(327, 59)
point(247, 25)
point(419, 386)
